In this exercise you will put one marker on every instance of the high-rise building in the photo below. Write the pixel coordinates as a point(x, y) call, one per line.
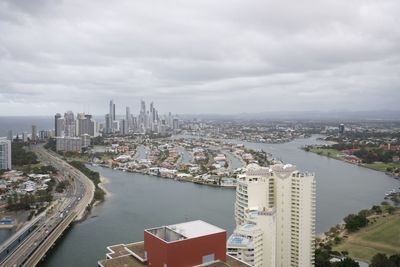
point(85, 125)
point(34, 133)
point(10, 135)
point(142, 107)
point(113, 114)
point(123, 127)
point(341, 128)
point(128, 119)
point(142, 117)
point(170, 119)
point(275, 217)
point(112, 110)
point(175, 124)
point(134, 122)
point(60, 127)
point(5, 154)
point(107, 127)
point(116, 126)
point(56, 126)
point(44, 134)
point(69, 124)
point(110, 118)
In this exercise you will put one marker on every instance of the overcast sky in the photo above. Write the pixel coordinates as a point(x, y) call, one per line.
point(202, 56)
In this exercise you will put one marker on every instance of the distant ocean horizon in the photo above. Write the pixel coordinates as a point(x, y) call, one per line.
point(20, 124)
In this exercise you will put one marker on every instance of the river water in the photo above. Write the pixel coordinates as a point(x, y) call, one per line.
point(138, 202)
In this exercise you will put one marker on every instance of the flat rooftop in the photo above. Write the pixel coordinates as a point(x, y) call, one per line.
point(181, 231)
point(196, 229)
point(123, 261)
point(136, 248)
point(129, 260)
point(117, 251)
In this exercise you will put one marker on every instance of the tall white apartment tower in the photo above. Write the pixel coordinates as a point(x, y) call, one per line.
point(295, 208)
point(275, 217)
point(128, 119)
point(5, 154)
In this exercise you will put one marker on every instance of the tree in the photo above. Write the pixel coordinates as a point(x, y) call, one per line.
point(355, 222)
point(51, 144)
point(395, 259)
point(391, 209)
point(322, 257)
point(363, 213)
point(337, 240)
point(381, 260)
point(20, 156)
point(377, 209)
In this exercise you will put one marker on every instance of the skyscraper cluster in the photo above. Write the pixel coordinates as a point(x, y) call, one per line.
point(69, 126)
point(147, 121)
point(275, 217)
point(72, 133)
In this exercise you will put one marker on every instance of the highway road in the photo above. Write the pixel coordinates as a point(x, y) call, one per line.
point(71, 206)
point(84, 187)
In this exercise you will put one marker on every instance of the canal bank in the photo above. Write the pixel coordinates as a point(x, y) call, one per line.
point(141, 201)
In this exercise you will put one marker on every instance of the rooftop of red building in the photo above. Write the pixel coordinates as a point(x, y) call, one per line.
point(184, 230)
point(138, 254)
point(122, 256)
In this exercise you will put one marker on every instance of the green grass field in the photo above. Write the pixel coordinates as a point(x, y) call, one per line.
point(328, 152)
point(332, 153)
point(380, 166)
point(382, 236)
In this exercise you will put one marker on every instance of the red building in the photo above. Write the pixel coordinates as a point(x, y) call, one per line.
point(185, 244)
point(180, 245)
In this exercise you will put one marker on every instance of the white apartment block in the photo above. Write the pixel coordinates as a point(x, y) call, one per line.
point(277, 206)
point(5, 154)
point(69, 144)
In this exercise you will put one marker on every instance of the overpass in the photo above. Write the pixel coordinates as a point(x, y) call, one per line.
point(45, 246)
point(9, 246)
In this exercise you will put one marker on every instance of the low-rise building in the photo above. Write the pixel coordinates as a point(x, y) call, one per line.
point(186, 244)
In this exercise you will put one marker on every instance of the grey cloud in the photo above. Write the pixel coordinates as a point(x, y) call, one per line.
point(199, 56)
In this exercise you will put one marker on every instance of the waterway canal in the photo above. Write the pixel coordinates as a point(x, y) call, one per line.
point(140, 202)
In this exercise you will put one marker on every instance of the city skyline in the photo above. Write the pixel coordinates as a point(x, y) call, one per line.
point(211, 57)
point(199, 133)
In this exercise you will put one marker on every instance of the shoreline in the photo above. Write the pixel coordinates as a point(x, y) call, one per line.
point(101, 185)
point(355, 164)
point(163, 177)
point(103, 181)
